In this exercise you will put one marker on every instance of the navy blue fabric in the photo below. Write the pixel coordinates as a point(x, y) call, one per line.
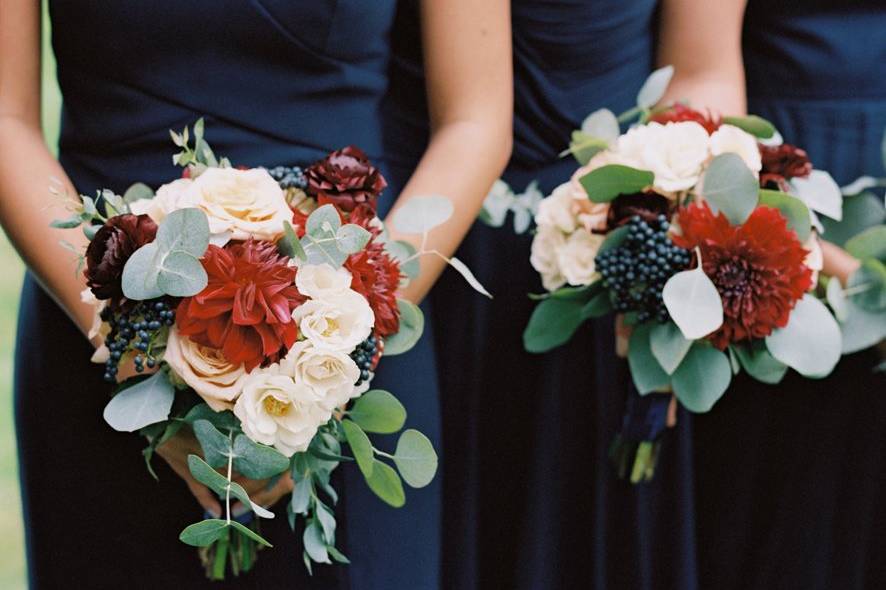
point(531, 498)
point(791, 478)
point(279, 82)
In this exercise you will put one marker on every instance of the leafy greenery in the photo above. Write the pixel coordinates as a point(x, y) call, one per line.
point(412, 324)
point(730, 187)
point(694, 303)
point(702, 378)
point(756, 126)
point(792, 209)
point(605, 183)
point(647, 373)
point(147, 402)
point(553, 322)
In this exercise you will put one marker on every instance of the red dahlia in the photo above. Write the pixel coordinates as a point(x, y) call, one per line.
point(782, 163)
point(376, 276)
point(246, 309)
point(680, 112)
point(345, 178)
point(758, 268)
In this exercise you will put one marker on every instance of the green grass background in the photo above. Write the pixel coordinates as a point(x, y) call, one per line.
point(12, 554)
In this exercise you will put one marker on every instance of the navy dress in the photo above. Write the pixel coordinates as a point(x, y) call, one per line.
point(279, 82)
point(792, 478)
point(531, 499)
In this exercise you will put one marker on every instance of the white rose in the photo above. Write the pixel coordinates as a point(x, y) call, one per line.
point(205, 370)
point(729, 139)
point(329, 374)
point(246, 203)
point(276, 410)
point(169, 197)
point(336, 323)
point(321, 281)
point(546, 246)
point(99, 329)
point(674, 152)
point(576, 258)
point(557, 210)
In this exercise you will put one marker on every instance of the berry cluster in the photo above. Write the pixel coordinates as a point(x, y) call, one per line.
point(636, 271)
point(289, 177)
point(135, 329)
point(364, 355)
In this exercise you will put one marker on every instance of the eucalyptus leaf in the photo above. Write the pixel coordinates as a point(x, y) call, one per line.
point(386, 484)
point(69, 223)
point(647, 374)
point(861, 328)
point(756, 126)
point(693, 302)
point(378, 411)
point(668, 346)
point(792, 209)
point(360, 446)
point(601, 124)
point(138, 191)
point(140, 274)
point(352, 238)
point(583, 147)
point(216, 446)
point(868, 285)
point(820, 193)
point(327, 522)
point(147, 402)
point(300, 501)
point(654, 87)
point(404, 252)
point(466, 273)
point(204, 533)
point(221, 420)
point(337, 555)
point(605, 183)
point(837, 299)
point(323, 250)
point(244, 530)
point(860, 212)
point(553, 322)
point(421, 214)
point(257, 461)
point(415, 458)
point(219, 484)
point(314, 544)
point(871, 243)
point(323, 221)
point(412, 324)
point(702, 378)
point(614, 239)
point(185, 230)
point(599, 305)
point(859, 185)
point(811, 342)
point(289, 244)
point(760, 364)
point(181, 275)
point(730, 187)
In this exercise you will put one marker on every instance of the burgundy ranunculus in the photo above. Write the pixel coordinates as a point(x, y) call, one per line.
point(346, 179)
point(111, 247)
point(679, 113)
point(647, 205)
point(782, 163)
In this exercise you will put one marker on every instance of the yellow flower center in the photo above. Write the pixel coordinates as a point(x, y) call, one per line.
point(275, 407)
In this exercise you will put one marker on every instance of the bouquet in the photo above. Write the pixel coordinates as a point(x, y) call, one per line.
point(700, 231)
point(261, 302)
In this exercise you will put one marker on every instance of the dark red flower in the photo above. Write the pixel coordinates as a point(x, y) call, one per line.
point(246, 309)
point(679, 112)
point(758, 268)
point(109, 250)
point(647, 205)
point(346, 179)
point(376, 276)
point(782, 163)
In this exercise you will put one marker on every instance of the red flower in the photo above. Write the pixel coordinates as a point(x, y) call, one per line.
point(109, 250)
point(376, 276)
point(680, 112)
point(346, 179)
point(758, 268)
point(246, 309)
point(782, 163)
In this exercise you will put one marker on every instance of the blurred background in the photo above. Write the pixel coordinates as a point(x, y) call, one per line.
point(12, 554)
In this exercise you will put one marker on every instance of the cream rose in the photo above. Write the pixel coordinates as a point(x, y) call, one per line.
point(556, 210)
point(169, 197)
point(329, 374)
point(729, 139)
point(321, 281)
point(576, 258)
point(337, 323)
point(246, 203)
point(674, 152)
point(546, 246)
point(276, 410)
point(99, 329)
point(205, 370)
point(815, 258)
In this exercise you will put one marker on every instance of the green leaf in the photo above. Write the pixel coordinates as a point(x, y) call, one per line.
point(301, 496)
point(412, 324)
point(352, 238)
point(185, 230)
point(583, 147)
point(216, 446)
point(861, 328)
point(598, 306)
point(837, 299)
point(760, 364)
point(257, 461)
point(859, 213)
point(614, 239)
point(181, 275)
point(811, 342)
point(327, 522)
point(820, 193)
point(415, 458)
point(69, 223)
point(582, 293)
point(756, 126)
point(870, 243)
point(702, 378)
point(314, 544)
point(553, 322)
point(147, 402)
point(219, 484)
point(607, 182)
point(668, 346)
point(289, 244)
point(792, 209)
point(404, 251)
point(89, 230)
point(221, 420)
point(386, 484)
point(868, 285)
point(730, 187)
point(138, 191)
point(250, 533)
point(140, 274)
point(647, 374)
point(693, 302)
point(337, 555)
point(421, 214)
point(323, 250)
point(204, 533)
point(601, 124)
point(654, 87)
point(378, 411)
point(466, 273)
point(323, 221)
point(360, 446)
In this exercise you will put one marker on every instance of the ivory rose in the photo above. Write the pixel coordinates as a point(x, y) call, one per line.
point(169, 197)
point(546, 246)
point(577, 257)
point(730, 139)
point(674, 152)
point(329, 374)
point(337, 323)
point(321, 281)
point(205, 370)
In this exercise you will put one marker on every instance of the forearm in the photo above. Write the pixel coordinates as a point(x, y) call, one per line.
point(27, 207)
point(463, 159)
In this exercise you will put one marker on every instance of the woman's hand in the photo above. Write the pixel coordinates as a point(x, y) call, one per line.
point(838, 262)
